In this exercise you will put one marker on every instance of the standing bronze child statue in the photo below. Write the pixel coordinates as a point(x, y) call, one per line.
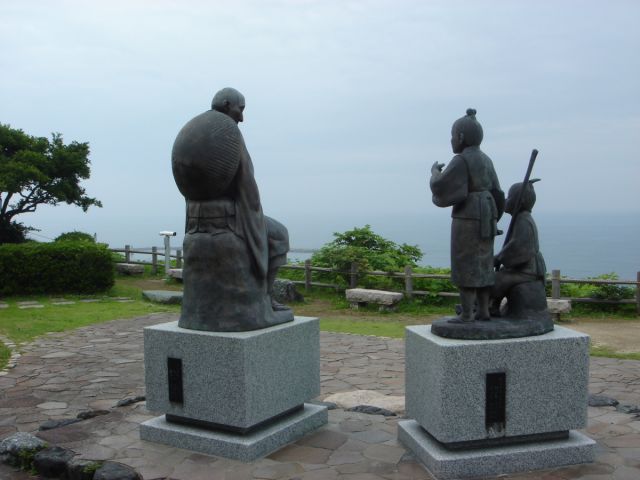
point(470, 185)
point(232, 251)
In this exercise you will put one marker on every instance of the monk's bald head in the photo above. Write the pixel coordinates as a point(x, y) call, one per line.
point(230, 102)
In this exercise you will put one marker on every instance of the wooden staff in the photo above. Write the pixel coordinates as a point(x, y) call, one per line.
point(518, 204)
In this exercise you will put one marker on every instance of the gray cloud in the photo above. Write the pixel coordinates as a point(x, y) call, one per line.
point(348, 103)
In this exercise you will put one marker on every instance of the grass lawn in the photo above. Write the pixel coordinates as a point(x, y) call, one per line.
point(615, 332)
point(5, 354)
point(23, 325)
point(609, 352)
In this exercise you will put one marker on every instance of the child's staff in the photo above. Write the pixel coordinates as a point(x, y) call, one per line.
point(516, 208)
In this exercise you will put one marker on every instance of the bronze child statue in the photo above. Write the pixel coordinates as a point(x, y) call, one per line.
point(470, 185)
point(520, 262)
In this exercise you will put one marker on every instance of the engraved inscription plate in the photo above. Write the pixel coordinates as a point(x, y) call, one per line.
point(495, 406)
point(174, 371)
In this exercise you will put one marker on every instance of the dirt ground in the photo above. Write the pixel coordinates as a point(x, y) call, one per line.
point(622, 336)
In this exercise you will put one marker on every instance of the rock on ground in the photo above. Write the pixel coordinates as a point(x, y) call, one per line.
point(11, 447)
point(285, 291)
point(52, 462)
point(602, 401)
point(371, 398)
point(116, 471)
point(81, 469)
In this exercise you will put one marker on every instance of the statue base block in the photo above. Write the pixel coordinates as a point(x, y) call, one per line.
point(247, 447)
point(500, 405)
point(242, 392)
point(450, 464)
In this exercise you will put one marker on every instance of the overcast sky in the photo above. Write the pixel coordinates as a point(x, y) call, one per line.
point(348, 102)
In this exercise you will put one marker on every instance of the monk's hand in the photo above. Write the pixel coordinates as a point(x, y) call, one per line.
point(436, 168)
point(497, 262)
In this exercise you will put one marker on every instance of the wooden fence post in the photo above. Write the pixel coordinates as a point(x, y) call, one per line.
point(179, 258)
point(307, 275)
point(127, 253)
point(154, 260)
point(408, 282)
point(353, 276)
point(555, 284)
point(638, 293)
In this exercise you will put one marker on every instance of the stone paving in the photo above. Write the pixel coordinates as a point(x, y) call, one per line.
point(61, 375)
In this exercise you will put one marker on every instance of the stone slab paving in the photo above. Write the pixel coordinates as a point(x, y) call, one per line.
point(61, 375)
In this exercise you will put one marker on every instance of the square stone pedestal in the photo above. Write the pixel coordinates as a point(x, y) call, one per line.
point(238, 395)
point(486, 407)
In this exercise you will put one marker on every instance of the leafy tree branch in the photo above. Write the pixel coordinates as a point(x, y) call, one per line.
point(37, 171)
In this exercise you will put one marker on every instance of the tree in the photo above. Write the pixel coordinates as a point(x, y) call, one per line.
point(37, 171)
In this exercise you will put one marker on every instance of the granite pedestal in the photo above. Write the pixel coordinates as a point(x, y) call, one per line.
point(239, 395)
point(485, 407)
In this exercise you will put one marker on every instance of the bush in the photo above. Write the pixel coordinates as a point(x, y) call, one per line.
point(371, 252)
point(13, 232)
point(75, 236)
point(602, 292)
point(610, 292)
point(433, 285)
point(55, 268)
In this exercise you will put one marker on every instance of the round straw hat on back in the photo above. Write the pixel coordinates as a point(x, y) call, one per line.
point(206, 155)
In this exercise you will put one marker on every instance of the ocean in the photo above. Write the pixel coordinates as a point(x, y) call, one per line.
point(579, 245)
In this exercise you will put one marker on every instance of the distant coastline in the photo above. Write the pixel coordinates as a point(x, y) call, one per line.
point(580, 245)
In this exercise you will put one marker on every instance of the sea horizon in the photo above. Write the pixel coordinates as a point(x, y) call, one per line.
point(580, 246)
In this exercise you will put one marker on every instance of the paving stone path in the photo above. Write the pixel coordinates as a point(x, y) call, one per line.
point(61, 375)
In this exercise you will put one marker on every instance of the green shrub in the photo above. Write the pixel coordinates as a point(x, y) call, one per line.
point(586, 290)
point(610, 292)
point(118, 257)
point(291, 274)
point(74, 237)
point(55, 268)
point(371, 252)
point(13, 232)
point(433, 285)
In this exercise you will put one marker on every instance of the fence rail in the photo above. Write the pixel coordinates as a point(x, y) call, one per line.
point(354, 274)
point(556, 279)
point(154, 252)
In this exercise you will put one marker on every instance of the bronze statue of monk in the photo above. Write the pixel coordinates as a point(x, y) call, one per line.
point(232, 251)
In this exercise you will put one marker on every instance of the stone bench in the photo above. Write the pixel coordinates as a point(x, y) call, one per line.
point(175, 273)
point(360, 297)
point(163, 296)
point(130, 268)
point(557, 306)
